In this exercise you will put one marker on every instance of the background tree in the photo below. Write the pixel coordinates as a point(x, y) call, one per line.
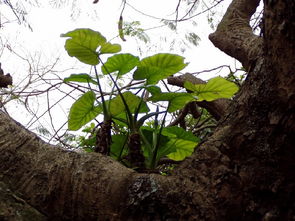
point(243, 171)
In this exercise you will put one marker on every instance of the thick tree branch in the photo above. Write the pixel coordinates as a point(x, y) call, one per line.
point(234, 35)
point(216, 108)
point(66, 185)
point(75, 184)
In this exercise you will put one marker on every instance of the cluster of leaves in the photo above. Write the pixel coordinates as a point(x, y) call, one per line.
point(133, 29)
point(123, 133)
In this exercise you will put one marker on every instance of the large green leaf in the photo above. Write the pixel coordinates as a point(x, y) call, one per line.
point(117, 106)
point(83, 44)
point(176, 100)
point(158, 67)
point(83, 78)
point(83, 111)
point(123, 63)
point(184, 142)
point(217, 87)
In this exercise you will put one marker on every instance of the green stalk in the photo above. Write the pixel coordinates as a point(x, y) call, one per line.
point(154, 159)
point(138, 107)
point(121, 95)
point(121, 152)
point(112, 92)
point(104, 107)
point(156, 124)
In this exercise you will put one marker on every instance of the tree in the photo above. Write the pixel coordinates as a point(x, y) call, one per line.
point(244, 171)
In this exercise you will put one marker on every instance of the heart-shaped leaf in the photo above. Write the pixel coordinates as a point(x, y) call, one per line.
point(83, 44)
point(83, 111)
point(217, 87)
point(123, 63)
point(158, 67)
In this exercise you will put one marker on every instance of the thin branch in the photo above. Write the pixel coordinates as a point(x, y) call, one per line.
point(196, 131)
point(173, 20)
point(190, 10)
point(180, 117)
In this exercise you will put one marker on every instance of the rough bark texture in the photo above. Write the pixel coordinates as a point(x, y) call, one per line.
point(103, 138)
point(245, 171)
point(13, 207)
point(234, 35)
point(5, 79)
point(135, 156)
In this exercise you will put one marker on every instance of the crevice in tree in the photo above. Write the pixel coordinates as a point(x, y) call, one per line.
point(103, 138)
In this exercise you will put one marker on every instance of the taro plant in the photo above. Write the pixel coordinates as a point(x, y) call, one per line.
point(123, 133)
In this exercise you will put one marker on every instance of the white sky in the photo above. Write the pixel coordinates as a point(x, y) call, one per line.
point(48, 23)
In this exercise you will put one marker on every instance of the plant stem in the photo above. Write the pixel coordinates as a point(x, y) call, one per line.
point(105, 112)
point(154, 159)
point(121, 95)
point(123, 146)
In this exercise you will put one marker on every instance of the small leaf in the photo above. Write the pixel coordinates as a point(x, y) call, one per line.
point(133, 29)
point(123, 63)
point(176, 100)
point(170, 24)
point(108, 48)
point(83, 44)
point(83, 111)
point(158, 67)
point(193, 38)
point(153, 89)
point(117, 106)
point(83, 78)
point(216, 88)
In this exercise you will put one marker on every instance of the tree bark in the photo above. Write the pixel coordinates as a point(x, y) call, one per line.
point(244, 171)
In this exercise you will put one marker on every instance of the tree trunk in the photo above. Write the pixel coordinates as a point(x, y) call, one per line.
point(244, 171)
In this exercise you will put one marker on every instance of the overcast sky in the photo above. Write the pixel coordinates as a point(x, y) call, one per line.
point(49, 22)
